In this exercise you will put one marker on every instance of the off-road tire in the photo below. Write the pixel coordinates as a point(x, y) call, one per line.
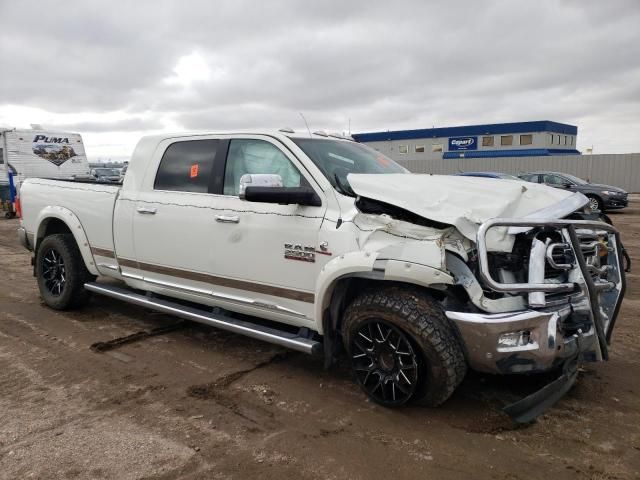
point(72, 294)
point(441, 366)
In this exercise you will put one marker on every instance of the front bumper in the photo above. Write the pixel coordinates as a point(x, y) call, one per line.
point(551, 331)
point(548, 346)
point(612, 202)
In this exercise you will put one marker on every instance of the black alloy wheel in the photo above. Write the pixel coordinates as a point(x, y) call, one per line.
point(385, 362)
point(61, 272)
point(54, 272)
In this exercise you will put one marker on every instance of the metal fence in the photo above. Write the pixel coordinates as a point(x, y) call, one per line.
point(618, 170)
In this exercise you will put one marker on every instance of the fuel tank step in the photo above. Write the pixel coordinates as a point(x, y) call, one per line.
point(223, 322)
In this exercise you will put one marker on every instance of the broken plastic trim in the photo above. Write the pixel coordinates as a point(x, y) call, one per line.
point(530, 407)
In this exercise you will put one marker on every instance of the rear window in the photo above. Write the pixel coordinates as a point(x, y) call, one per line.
point(187, 166)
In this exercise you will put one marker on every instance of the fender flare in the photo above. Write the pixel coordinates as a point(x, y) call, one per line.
point(368, 265)
point(73, 223)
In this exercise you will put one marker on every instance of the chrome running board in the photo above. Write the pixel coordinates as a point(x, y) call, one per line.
point(223, 322)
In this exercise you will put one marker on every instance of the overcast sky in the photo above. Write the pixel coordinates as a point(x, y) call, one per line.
point(115, 71)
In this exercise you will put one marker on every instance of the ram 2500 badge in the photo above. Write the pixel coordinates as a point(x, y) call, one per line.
point(317, 243)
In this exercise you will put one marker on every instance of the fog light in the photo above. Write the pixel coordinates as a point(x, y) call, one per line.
point(514, 339)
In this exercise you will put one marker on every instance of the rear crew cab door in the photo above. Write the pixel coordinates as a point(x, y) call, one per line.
point(172, 219)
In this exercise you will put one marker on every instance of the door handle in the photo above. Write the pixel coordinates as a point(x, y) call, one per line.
point(227, 218)
point(147, 210)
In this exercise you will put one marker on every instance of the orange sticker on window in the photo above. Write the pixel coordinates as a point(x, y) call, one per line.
point(384, 161)
point(194, 171)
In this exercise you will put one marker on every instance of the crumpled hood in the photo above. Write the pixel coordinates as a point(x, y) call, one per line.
point(464, 202)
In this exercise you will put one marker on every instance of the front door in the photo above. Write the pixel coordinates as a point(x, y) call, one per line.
point(268, 250)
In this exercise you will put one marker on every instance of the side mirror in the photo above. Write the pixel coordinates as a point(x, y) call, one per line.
point(567, 185)
point(258, 180)
point(261, 188)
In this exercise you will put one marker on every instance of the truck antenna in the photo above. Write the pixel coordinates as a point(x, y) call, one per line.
point(305, 122)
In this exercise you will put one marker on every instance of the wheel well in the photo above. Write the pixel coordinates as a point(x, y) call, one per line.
point(51, 226)
point(346, 289)
point(355, 285)
point(54, 226)
point(594, 195)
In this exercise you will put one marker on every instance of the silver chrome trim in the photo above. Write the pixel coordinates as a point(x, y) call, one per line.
point(163, 283)
point(226, 297)
point(483, 259)
point(259, 332)
point(109, 266)
point(551, 249)
point(481, 333)
point(228, 218)
point(147, 210)
point(536, 271)
point(132, 276)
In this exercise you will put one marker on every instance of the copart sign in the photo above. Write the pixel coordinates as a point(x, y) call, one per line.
point(463, 143)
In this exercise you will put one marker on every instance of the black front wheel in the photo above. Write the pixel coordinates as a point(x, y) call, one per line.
point(61, 272)
point(402, 348)
point(385, 363)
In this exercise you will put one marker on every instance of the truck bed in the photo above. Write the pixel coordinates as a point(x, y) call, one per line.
point(91, 203)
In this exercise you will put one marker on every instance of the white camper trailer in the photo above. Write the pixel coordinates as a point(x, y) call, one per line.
point(40, 153)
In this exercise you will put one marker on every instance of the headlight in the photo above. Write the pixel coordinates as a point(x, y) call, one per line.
point(608, 192)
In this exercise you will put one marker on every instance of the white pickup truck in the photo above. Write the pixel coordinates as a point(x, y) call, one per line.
point(316, 242)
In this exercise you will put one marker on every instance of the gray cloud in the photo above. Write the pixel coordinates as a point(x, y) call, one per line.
point(127, 125)
point(382, 65)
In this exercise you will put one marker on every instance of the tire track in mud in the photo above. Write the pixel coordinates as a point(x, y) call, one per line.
point(218, 390)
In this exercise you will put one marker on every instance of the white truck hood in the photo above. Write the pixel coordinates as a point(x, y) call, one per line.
point(466, 202)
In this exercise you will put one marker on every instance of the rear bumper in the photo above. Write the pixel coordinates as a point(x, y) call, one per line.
point(548, 347)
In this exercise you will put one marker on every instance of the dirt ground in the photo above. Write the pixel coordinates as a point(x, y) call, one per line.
point(201, 403)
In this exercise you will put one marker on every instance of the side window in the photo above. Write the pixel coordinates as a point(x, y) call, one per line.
point(186, 166)
point(257, 156)
point(553, 180)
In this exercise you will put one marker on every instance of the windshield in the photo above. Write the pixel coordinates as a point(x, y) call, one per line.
point(106, 172)
point(336, 159)
point(577, 180)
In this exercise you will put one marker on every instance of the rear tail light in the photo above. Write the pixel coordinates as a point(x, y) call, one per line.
point(17, 207)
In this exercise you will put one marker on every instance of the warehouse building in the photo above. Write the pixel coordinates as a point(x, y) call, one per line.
point(521, 139)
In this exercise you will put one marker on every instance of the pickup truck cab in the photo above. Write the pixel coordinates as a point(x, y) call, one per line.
point(316, 242)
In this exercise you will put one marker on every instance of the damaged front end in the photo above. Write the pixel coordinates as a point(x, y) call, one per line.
point(564, 280)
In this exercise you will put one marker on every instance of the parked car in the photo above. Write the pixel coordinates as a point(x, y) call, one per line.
point(504, 176)
point(601, 197)
point(123, 172)
point(337, 245)
point(106, 175)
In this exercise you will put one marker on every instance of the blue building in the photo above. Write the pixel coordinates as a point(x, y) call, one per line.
point(521, 139)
